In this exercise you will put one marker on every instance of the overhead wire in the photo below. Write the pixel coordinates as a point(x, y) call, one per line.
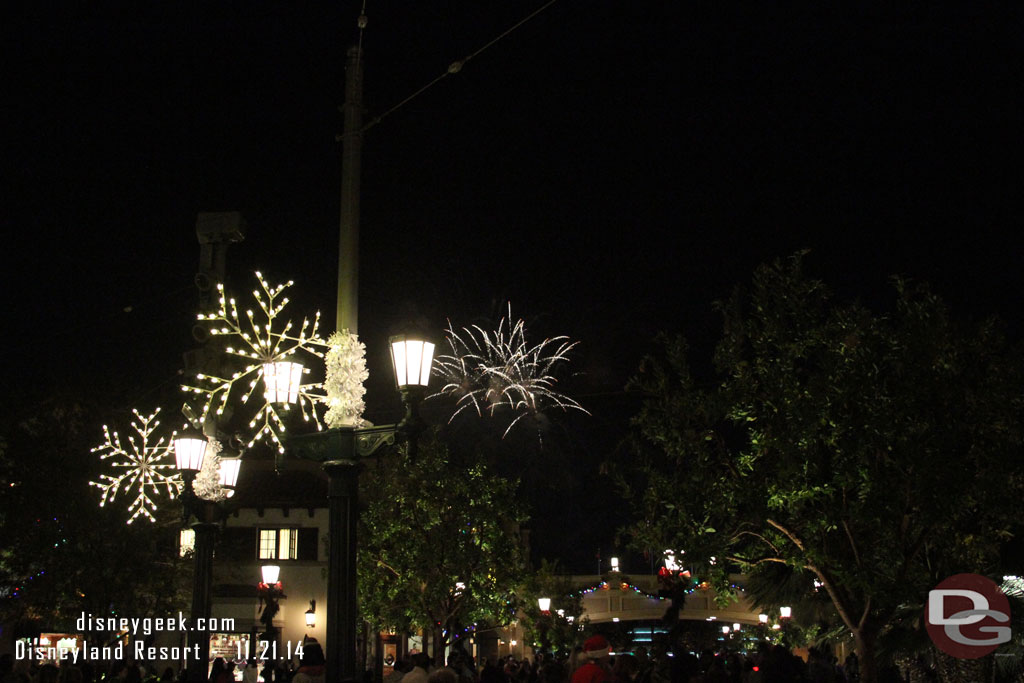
point(453, 68)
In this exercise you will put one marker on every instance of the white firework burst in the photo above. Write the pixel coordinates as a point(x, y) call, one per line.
point(140, 467)
point(486, 371)
point(258, 343)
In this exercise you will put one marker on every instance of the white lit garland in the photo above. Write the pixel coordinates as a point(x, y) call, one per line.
point(207, 482)
point(140, 467)
point(346, 372)
point(259, 343)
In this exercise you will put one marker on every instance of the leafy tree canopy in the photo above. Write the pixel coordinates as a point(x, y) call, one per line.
point(875, 452)
point(439, 546)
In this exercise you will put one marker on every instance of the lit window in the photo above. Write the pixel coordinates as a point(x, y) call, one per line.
point(279, 544)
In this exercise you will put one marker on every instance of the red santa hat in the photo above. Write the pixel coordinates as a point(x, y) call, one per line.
point(596, 647)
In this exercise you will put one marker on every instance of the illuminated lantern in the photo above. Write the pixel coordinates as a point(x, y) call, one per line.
point(283, 379)
point(229, 469)
point(190, 450)
point(785, 612)
point(270, 572)
point(544, 604)
point(311, 614)
point(411, 357)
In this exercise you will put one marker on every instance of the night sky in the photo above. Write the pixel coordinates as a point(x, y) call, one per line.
point(608, 168)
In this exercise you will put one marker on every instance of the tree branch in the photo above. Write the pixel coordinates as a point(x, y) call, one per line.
point(382, 563)
point(788, 534)
point(762, 538)
point(853, 544)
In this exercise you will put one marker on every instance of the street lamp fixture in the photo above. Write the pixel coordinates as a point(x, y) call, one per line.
point(763, 618)
point(270, 573)
point(785, 612)
point(412, 358)
point(341, 450)
point(202, 518)
point(311, 614)
point(229, 469)
point(190, 450)
point(283, 379)
point(544, 604)
point(615, 564)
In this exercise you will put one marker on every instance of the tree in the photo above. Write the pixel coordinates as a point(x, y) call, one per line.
point(439, 545)
point(875, 452)
point(562, 627)
point(57, 559)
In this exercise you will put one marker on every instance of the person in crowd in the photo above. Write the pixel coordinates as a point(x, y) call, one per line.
point(47, 673)
point(312, 666)
point(251, 673)
point(420, 666)
point(597, 651)
point(625, 668)
point(492, 673)
point(443, 675)
point(218, 671)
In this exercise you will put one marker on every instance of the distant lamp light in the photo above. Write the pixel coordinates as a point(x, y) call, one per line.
point(725, 630)
point(615, 564)
point(283, 379)
point(271, 573)
point(229, 469)
point(513, 643)
point(785, 612)
point(544, 604)
point(763, 618)
point(412, 356)
point(190, 450)
point(186, 541)
point(736, 626)
point(311, 614)
point(776, 627)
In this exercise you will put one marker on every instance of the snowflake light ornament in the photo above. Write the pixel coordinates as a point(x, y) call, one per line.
point(265, 353)
point(140, 467)
point(490, 370)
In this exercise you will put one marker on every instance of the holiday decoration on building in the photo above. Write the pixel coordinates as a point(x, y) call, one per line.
point(487, 371)
point(138, 468)
point(346, 372)
point(270, 363)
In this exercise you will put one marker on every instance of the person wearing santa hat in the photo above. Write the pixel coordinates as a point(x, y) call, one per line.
point(598, 654)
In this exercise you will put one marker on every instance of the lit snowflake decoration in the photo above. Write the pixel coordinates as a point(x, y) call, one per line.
point(139, 468)
point(486, 371)
point(346, 372)
point(259, 344)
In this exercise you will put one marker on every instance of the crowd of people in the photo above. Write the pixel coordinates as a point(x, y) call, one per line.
point(595, 663)
point(592, 663)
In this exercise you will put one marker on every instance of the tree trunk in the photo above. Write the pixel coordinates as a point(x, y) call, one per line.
point(954, 670)
point(439, 643)
point(865, 639)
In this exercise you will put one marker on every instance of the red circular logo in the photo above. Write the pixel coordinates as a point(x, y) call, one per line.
point(967, 616)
